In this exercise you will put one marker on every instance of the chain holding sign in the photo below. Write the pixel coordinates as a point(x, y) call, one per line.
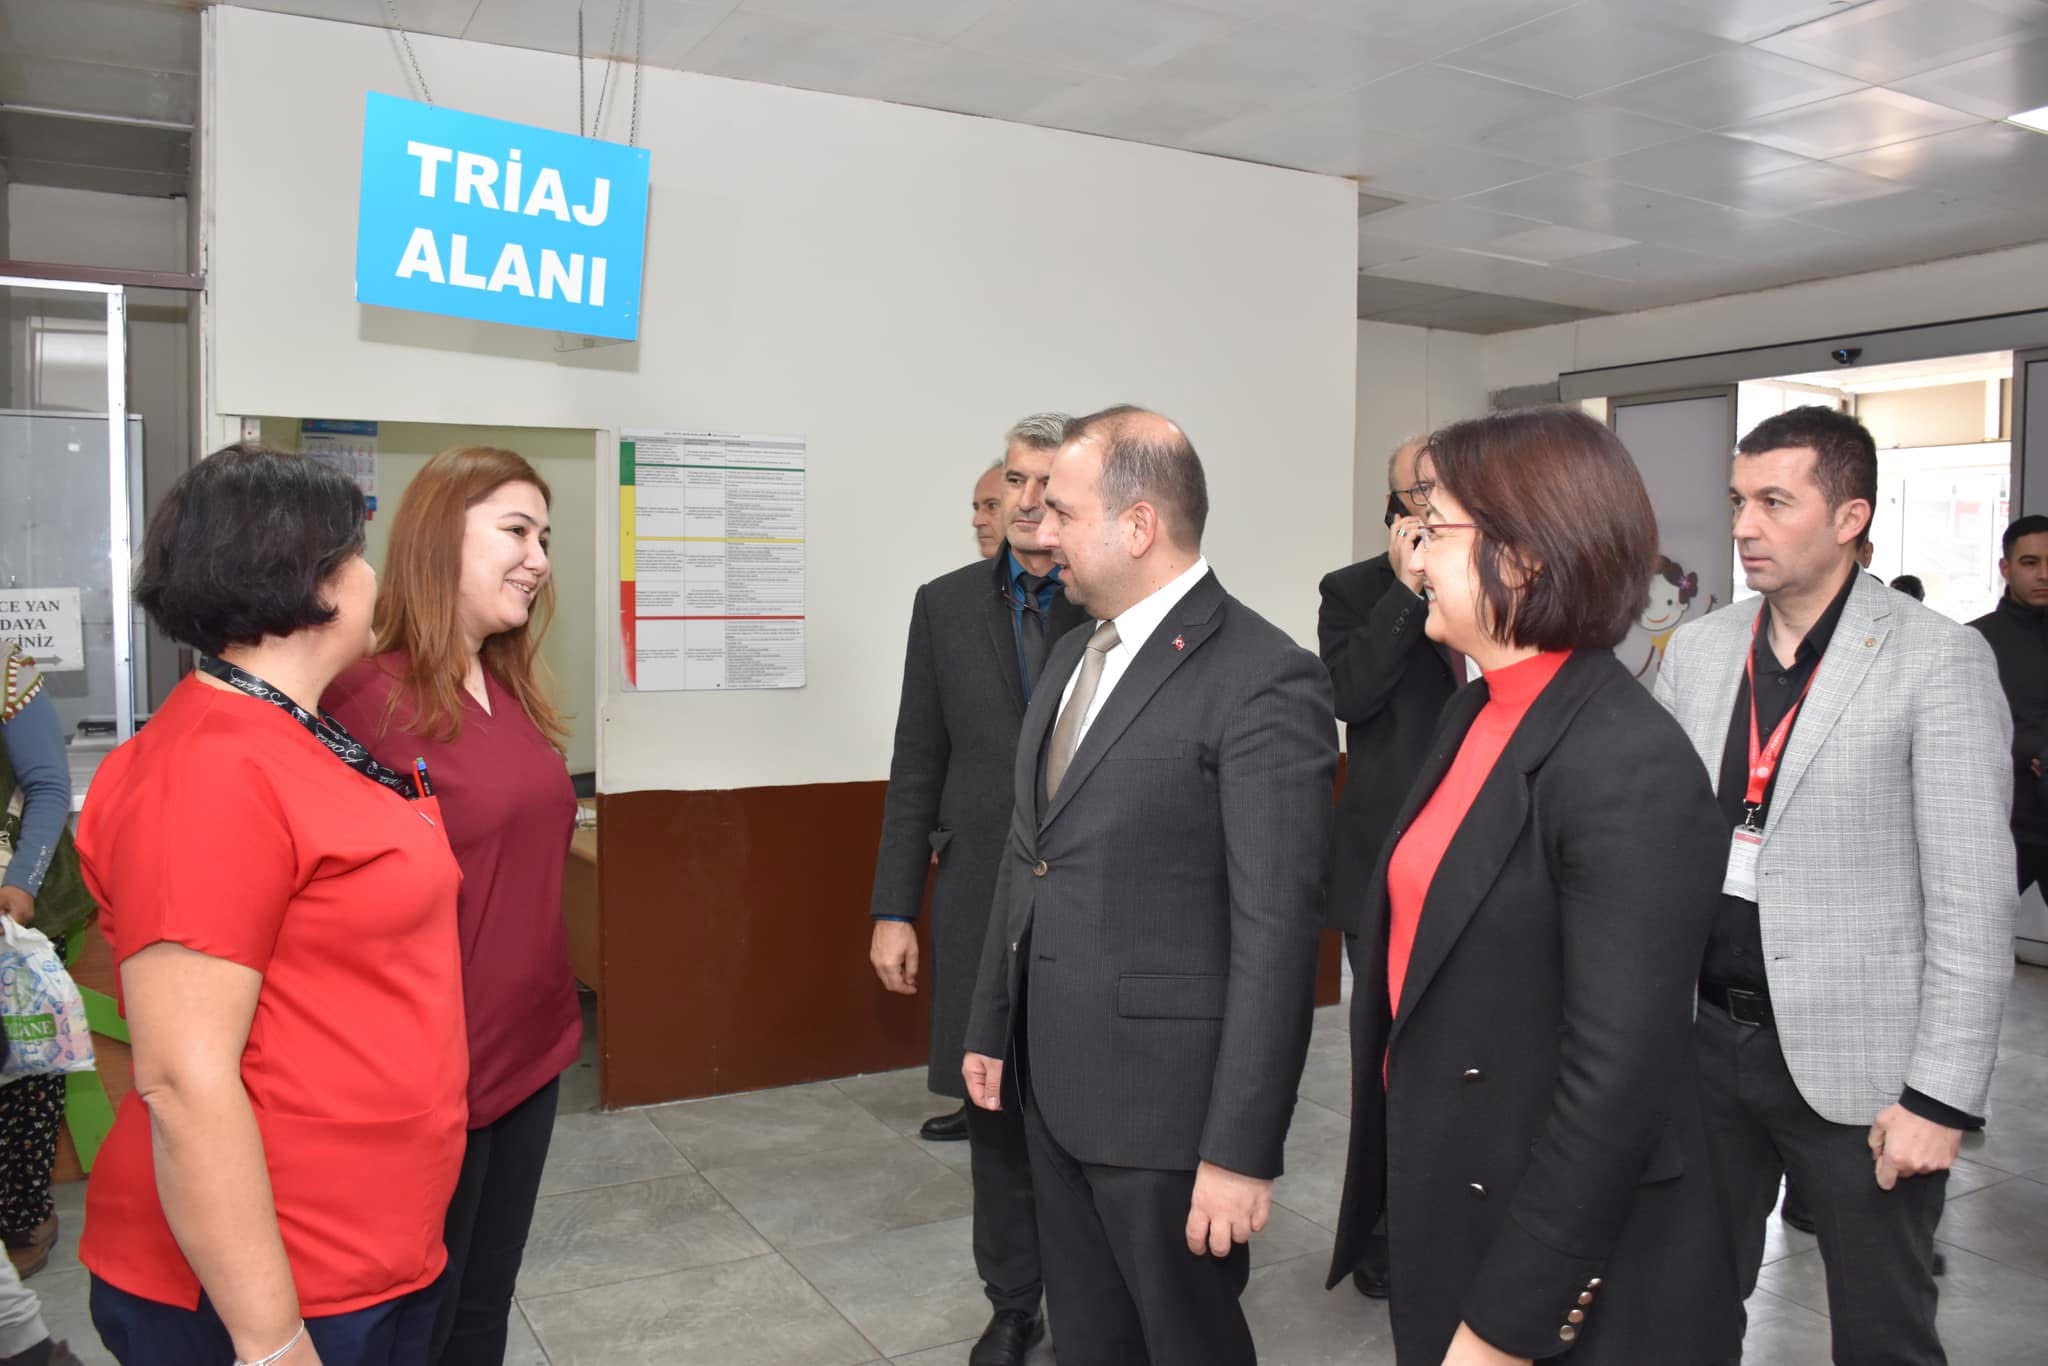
point(47, 624)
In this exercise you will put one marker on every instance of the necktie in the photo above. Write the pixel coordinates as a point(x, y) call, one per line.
point(1032, 628)
point(1066, 732)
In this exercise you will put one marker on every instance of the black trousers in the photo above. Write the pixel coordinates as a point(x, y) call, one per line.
point(140, 1332)
point(1877, 1245)
point(1005, 1215)
point(2033, 867)
point(1121, 1286)
point(488, 1219)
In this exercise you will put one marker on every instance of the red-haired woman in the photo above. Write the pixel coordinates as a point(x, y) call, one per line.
point(455, 695)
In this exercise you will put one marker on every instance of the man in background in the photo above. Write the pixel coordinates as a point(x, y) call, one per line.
point(988, 510)
point(2018, 631)
point(1390, 682)
point(978, 642)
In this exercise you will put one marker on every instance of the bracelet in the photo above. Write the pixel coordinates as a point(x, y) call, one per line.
point(278, 1355)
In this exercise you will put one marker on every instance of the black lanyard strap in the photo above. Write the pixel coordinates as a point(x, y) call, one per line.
point(323, 727)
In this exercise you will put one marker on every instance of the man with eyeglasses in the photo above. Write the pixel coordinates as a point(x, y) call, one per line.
point(1390, 683)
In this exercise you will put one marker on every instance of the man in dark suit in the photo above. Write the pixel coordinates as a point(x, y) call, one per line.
point(1390, 682)
point(978, 641)
point(1149, 973)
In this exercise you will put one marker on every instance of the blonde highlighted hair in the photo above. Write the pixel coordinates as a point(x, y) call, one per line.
point(419, 599)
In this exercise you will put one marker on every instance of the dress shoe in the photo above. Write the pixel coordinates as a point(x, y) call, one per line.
point(945, 1128)
point(1373, 1281)
point(1009, 1335)
point(30, 1251)
point(1794, 1211)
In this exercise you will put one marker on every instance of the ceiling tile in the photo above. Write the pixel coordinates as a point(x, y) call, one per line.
point(55, 83)
point(1805, 187)
point(1128, 38)
point(1851, 123)
point(1439, 226)
point(1554, 242)
point(761, 47)
point(1993, 86)
point(1485, 314)
point(1298, 58)
point(1319, 133)
point(102, 32)
point(1707, 166)
point(1438, 104)
point(933, 21)
point(1381, 251)
point(1435, 28)
point(1139, 110)
point(1900, 214)
point(1993, 161)
point(975, 83)
point(447, 18)
point(1642, 262)
point(1378, 293)
point(1743, 21)
point(1588, 47)
point(1492, 275)
point(1582, 133)
point(1405, 166)
point(1887, 39)
point(1729, 87)
point(673, 28)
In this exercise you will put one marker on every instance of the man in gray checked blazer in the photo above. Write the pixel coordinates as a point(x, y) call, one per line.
point(1855, 977)
point(1149, 974)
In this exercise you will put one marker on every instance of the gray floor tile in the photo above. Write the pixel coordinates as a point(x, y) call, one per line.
point(1297, 1323)
point(1990, 1313)
point(787, 1122)
point(1784, 1334)
point(579, 1083)
point(595, 1237)
point(1288, 1235)
point(823, 1197)
point(958, 1156)
point(955, 1354)
point(906, 1289)
point(596, 1149)
point(2007, 1223)
point(67, 1314)
point(899, 1099)
point(2014, 1139)
point(69, 1198)
point(522, 1348)
point(2020, 1078)
point(1318, 1145)
point(758, 1312)
point(1781, 1240)
point(1326, 1077)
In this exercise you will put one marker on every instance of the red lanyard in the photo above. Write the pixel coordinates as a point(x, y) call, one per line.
point(1763, 760)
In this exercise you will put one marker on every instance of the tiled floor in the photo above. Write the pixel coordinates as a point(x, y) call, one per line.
point(808, 1227)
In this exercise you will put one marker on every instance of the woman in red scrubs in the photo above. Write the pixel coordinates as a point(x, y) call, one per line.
point(281, 910)
point(1525, 1103)
point(455, 686)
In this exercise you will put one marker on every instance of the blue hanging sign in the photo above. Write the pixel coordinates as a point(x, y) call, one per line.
point(479, 218)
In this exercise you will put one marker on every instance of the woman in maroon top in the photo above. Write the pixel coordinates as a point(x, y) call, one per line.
point(1525, 1103)
point(455, 686)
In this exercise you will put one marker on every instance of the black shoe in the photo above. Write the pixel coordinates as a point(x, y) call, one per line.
point(1009, 1335)
point(945, 1128)
point(1793, 1211)
point(1373, 1281)
point(1940, 1264)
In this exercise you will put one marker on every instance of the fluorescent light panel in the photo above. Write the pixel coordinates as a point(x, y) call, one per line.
point(2036, 119)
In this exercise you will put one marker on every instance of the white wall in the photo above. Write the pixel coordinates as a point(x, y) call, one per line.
point(895, 284)
point(1411, 381)
point(1966, 287)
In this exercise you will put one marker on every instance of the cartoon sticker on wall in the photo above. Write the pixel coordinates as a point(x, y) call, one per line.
point(1672, 592)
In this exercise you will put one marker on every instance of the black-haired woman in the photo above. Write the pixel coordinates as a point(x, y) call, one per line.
point(281, 910)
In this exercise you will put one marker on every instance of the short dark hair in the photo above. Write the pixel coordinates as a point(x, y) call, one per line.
point(1554, 490)
point(1845, 455)
point(241, 545)
point(1140, 465)
point(1910, 585)
point(2033, 524)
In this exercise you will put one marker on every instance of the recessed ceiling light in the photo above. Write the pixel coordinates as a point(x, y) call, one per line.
point(2036, 119)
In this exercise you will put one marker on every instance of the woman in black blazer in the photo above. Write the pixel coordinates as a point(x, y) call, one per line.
point(1525, 1106)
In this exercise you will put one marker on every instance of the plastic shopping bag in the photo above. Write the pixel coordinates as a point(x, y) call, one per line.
point(40, 1008)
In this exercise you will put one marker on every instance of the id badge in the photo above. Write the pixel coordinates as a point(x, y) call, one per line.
point(1743, 847)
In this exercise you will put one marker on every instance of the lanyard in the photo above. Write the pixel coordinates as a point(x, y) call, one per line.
point(323, 728)
point(1763, 760)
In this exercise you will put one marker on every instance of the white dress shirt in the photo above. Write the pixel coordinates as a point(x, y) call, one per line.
point(1133, 629)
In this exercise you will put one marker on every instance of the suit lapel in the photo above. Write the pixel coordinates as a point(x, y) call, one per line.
point(1859, 635)
point(1193, 620)
point(1002, 639)
point(1708, 729)
point(1488, 834)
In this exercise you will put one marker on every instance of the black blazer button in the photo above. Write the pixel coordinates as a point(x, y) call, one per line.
point(1593, 1284)
point(1576, 1316)
point(1585, 1297)
point(1478, 1191)
point(1568, 1333)
point(1473, 1074)
point(1041, 868)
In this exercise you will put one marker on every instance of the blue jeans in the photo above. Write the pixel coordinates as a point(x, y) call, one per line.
point(143, 1332)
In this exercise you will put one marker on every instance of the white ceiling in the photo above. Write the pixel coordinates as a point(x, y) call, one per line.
point(1521, 161)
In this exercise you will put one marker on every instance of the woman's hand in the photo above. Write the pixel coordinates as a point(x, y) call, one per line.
point(1469, 1349)
point(18, 905)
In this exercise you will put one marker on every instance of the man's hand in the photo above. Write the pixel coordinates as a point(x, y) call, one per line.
point(1401, 540)
point(1469, 1349)
point(984, 1078)
point(17, 904)
point(1226, 1209)
point(1904, 1144)
point(893, 951)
